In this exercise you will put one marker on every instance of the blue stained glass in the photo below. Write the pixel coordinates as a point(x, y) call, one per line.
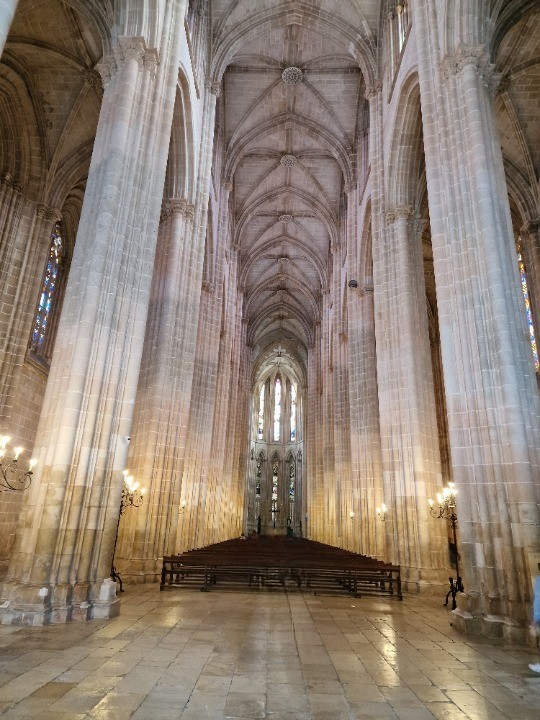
point(528, 312)
point(46, 300)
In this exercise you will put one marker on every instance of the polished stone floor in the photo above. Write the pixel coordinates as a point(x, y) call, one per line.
point(190, 655)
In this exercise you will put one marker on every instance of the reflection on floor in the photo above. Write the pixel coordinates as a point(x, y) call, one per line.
point(191, 655)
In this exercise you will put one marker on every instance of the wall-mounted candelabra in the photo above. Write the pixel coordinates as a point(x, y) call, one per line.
point(381, 512)
point(13, 476)
point(351, 515)
point(446, 510)
point(132, 496)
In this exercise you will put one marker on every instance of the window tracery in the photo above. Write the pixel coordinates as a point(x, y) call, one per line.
point(49, 298)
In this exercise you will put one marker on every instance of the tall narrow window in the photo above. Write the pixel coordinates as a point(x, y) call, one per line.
point(402, 12)
point(49, 295)
point(275, 470)
point(258, 488)
point(293, 412)
point(528, 313)
point(292, 488)
point(260, 427)
point(277, 410)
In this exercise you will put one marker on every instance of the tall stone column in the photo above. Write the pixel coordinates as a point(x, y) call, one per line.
point(7, 11)
point(163, 395)
point(313, 434)
point(227, 431)
point(492, 397)
point(158, 448)
point(409, 437)
point(365, 430)
point(60, 567)
point(191, 531)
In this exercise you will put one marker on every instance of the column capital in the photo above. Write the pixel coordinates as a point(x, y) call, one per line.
point(373, 90)
point(7, 180)
point(213, 86)
point(128, 48)
point(477, 57)
point(92, 78)
point(399, 212)
point(531, 227)
point(47, 213)
point(176, 206)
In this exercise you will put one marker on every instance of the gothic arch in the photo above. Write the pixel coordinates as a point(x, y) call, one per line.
point(179, 181)
point(20, 146)
point(406, 150)
point(366, 255)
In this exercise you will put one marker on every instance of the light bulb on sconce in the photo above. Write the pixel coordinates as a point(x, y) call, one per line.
point(351, 515)
point(447, 510)
point(183, 504)
point(381, 512)
point(12, 476)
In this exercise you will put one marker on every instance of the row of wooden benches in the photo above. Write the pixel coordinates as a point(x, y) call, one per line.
point(300, 565)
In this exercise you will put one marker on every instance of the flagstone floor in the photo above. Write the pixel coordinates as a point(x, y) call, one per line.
point(190, 655)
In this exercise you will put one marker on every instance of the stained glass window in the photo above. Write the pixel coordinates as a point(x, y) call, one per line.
point(293, 412)
point(261, 414)
point(275, 469)
point(258, 488)
point(277, 410)
point(528, 312)
point(292, 488)
point(49, 292)
point(402, 12)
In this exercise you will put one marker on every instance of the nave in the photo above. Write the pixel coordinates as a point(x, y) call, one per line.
point(210, 656)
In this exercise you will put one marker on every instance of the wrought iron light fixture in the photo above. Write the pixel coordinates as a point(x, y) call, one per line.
point(12, 475)
point(132, 496)
point(446, 510)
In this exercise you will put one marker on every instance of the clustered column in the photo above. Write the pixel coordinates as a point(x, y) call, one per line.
point(493, 404)
point(61, 561)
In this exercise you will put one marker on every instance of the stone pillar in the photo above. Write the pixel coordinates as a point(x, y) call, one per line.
point(61, 563)
point(492, 397)
point(409, 436)
point(163, 395)
point(365, 431)
point(158, 448)
point(7, 11)
point(228, 435)
point(313, 438)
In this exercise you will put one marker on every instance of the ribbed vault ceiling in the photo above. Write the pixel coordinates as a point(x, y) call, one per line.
point(291, 138)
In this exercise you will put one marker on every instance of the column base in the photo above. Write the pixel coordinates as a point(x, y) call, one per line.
point(425, 581)
point(57, 604)
point(469, 619)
